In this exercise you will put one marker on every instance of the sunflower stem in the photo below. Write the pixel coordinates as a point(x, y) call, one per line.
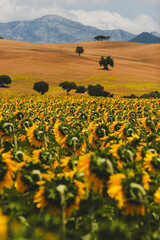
point(15, 142)
point(92, 228)
point(63, 221)
point(104, 132)
point(147, 221)
point(45, 141)
point(1, 143)
point(61, 188)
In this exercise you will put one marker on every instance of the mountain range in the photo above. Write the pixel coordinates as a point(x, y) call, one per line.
point(56, 29)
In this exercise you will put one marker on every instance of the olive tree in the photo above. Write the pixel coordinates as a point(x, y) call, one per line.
point(68, 86)
point(79, 50)
point(5, 80)
point(106, 61)
point(98, 90)
point(101, 38)
point(41, 87)
point(81, 89)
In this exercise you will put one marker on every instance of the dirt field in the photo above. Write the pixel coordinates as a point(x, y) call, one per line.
point(136, 69)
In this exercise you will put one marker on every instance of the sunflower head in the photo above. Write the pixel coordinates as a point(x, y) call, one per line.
point(101, 165)
point(49, 194)
point(31, 173)
point(126, 155)
point(102, 130)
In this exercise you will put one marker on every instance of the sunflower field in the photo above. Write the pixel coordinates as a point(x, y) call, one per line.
point(83, 168)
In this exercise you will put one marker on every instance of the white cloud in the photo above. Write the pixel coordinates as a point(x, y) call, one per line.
point(107, 20)
point(13, 10)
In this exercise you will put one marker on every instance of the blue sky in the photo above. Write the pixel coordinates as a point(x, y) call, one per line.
point(134, 16)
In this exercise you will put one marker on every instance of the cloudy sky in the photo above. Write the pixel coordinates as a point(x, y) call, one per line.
point(134, 16)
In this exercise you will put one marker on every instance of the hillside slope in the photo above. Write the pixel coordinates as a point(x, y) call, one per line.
point(136, 68)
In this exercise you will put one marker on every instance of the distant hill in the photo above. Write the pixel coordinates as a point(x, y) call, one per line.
point(56, 29)
point(156, 34)
point(145, 37)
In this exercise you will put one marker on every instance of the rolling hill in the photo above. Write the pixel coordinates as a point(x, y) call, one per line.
point(56, 29)
point(136, 68)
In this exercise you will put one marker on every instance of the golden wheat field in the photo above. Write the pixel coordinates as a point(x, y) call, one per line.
point(136, 69)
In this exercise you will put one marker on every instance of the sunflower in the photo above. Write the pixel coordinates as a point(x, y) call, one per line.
point(130, 195)
point(48, 195)
point(75, 144)
point(36, 136)
point(96, 168)
point(152, 161)
point(60, 133)
point(6, 171)
point(115, 188)
point(28, 175)
point(46, 157)
point(157, 195)
point(4, 226)
point(144, 122)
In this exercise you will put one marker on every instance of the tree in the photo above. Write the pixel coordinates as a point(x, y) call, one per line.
point(98, 90)
point(79, 50)
point(5, 79)
point(41, 87)
point(101, 38)
point(68, 86)
point(1, 37)
point(106, 61)
point(81, 89)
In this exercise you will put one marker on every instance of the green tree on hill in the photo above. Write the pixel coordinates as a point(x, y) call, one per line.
point(41, 87)
point(106, 61)
point(79, 50)
point(98, 90)
point(101, 38)
point(5, 80)
point(81, 89)
point(68, 86)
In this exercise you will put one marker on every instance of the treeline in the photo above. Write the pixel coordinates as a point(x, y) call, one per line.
point(153, 94)
point(93, 90)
